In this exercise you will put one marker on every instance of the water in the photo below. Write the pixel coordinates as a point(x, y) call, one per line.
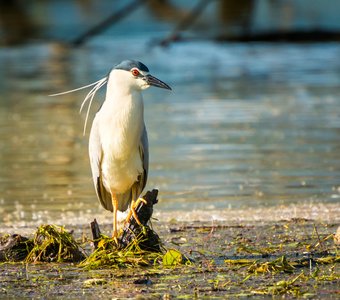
point(247, 125)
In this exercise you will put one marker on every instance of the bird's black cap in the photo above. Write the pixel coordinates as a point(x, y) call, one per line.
point(127, 65)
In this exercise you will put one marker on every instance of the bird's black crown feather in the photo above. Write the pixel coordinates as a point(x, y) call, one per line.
point(127, 65)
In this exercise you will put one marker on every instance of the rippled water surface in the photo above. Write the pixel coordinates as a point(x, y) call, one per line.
point(245, 125)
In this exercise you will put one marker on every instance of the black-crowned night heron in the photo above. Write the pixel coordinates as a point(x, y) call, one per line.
point(118, 144)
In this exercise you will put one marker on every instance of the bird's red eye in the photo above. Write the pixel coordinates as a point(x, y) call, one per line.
point(135, 72)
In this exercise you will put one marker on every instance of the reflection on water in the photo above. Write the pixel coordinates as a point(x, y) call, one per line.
point(245, 125)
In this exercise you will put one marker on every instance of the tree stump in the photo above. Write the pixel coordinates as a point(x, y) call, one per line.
point(147, 239)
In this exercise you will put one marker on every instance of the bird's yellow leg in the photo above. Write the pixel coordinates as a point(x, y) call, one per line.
point(132, 212)
point(115, 208)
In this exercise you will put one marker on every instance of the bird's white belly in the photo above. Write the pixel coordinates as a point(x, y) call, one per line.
point(120, 174)
point(121, 163)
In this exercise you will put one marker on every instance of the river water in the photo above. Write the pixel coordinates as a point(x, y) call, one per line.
point(246, 126)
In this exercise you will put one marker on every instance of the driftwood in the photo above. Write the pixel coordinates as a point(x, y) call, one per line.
point(147, 238)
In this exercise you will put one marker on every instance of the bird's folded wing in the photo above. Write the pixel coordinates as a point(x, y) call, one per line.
point(144, 153)
point(96, 156)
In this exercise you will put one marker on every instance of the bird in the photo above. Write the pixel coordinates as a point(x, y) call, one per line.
point(118, 141)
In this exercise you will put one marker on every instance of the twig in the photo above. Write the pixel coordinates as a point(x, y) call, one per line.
point(319, 241)
point(114, 18)
point(185, 23)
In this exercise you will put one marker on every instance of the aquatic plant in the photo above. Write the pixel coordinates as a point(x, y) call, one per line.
point(54, 243)
point(109, 254)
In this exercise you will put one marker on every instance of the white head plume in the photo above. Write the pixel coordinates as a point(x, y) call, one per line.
point(97, 85)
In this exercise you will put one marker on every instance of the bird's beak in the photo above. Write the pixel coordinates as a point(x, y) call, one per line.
point(151, 80)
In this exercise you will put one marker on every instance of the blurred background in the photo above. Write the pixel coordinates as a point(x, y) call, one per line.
point(253, 119)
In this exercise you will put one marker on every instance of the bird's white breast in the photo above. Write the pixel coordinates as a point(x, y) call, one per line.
point(120, 125)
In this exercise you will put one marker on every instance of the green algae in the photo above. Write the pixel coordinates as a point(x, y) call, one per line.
point(108, 254)
point(54, 243)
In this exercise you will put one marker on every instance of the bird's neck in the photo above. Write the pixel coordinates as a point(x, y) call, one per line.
point(124, 99)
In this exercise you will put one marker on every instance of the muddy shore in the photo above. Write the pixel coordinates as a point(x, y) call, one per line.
point(285, 258)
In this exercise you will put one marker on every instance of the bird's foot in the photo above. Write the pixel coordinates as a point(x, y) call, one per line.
point(138, 201)
point(115, 234)
point(133, 211)
point(115, 239)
